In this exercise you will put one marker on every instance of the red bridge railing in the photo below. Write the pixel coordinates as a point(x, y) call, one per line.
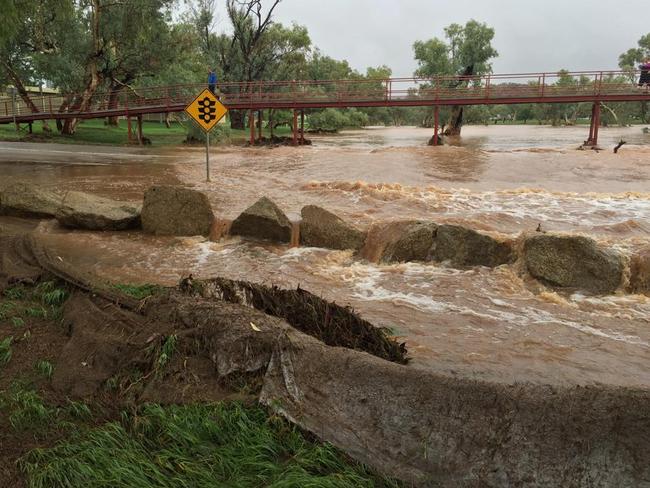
point(443, 90)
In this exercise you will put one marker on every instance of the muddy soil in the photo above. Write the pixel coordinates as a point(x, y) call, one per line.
point(193, 344)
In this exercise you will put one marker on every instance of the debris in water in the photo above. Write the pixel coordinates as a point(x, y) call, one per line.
point(186, 283)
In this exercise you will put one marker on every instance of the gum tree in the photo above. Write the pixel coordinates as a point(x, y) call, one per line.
point(630, 59)
point(466, 52)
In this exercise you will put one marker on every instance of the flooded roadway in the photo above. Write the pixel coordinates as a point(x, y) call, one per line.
point(501, 180)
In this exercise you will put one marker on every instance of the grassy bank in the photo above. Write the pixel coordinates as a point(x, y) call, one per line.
point(199, 445)
point(50, 440)
point(96, 132)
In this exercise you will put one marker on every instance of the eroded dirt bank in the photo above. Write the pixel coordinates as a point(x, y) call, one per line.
point(424, 427)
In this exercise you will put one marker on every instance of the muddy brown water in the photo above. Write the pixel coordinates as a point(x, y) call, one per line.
point(481, 323)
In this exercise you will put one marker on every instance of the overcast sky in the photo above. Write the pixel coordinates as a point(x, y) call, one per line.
point(539, 35)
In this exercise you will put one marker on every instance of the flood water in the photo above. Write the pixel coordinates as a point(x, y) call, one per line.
point(502, 180)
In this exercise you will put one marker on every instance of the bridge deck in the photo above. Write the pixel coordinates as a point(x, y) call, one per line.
point(602, 86)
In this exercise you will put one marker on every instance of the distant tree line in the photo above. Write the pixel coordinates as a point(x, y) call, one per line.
point(84, 47)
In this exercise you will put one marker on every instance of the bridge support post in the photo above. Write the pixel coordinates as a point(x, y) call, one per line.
point(295, 127)
point(594, 126)
point(251, 125)
point(128, 127)
point(436, 121)
point(302, 127)
point(259, 126)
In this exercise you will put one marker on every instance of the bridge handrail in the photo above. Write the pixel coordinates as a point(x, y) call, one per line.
point(489, 87)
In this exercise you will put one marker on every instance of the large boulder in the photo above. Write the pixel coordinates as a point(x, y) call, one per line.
point(263, 220)
point(466, 247)
point(399, 241)
point(22, 200)
point(83, 211)
point(320, 228)
point(173, 210)
point(573, 262)
point(640, 271)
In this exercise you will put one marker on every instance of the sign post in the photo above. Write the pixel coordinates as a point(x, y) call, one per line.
point(207, 156)
point(206, 110)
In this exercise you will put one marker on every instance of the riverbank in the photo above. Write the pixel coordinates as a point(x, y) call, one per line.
point(96, 132)
point(51, 436)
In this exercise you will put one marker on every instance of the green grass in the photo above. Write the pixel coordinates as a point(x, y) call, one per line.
point(17, 322)
point(41, 301)
point(5, 350)
point(79, 410)
point(198, 446)
point(44, 368)
point(15, 292)
point(50, 294)
point(36, 312)
point(6, 309)
point(25, 409)
point(96, 132)
point(166, 352)
point(139, 292)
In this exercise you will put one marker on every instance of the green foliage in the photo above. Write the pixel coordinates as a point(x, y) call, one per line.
point(112, 383)
point(40, 301)
point(332, 119)
point(467, 48)
point(44, 368)
point(5, 350)
point(79, 410)
point(50, 294)
point(36, 312)
point(15, 292)
point(6, 309)
point(166, 352)
point(219, 135)
point(634, 56)
point(26, 409)
point(322, 67)
point(198, 446)
point(17, 322)
point(139, 291)
point(259, 48)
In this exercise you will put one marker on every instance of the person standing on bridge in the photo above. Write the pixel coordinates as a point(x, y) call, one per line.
point(644, 79)
point(212, 80)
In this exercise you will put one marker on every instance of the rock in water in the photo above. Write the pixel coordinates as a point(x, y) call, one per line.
point(400, 241)
point(83, 211)
point(23, 200)
point(263, 220)
point(320, 228)
point(574, 262)
point(178, 211)
point(466, 247)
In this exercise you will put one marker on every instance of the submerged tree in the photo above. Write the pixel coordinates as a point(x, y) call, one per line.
point(466, 53)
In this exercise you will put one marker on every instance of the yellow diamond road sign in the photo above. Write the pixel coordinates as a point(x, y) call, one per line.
point(207, 110)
